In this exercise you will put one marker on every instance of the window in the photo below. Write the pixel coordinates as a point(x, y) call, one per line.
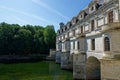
point(92, 25)
point(81, 16)
point(86, 28)
point(64, 36)
point(81, 29)
point(106, 44)
point(110, 17)
point(77, 20)
point(68, 34)
point(73, 32)
point(61, 30)
point(78, 45)
point(65, 28)
point(65, 45)
point(92, 8)
point(73, 44)
point(93, 44)
point(70, 24)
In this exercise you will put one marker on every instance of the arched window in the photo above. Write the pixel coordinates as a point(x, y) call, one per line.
point(106, 44)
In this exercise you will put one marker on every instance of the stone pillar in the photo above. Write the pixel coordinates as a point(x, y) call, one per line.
point(110, 69)
point(64, 60)
point(70, 62)
point(79, 66)
point(58, 57)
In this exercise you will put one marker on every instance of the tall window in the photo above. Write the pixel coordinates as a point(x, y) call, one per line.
point(68, 34)
point(106, 44)
point(92, 25)
point(110, 17)
point(78, 45)
point(73, 44)
point(73, 32)
point(93, 44)
point(81, 29)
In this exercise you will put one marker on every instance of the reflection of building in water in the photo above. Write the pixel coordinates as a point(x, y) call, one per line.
point(90, 43)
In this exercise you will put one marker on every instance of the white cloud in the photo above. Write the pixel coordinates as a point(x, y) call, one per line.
point(20, 20)
point(26, 14)
point(42, 4)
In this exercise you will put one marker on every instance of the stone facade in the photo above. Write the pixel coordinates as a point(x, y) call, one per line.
point(90, 41)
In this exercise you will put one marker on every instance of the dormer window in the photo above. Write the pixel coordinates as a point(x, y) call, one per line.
point(61, 30)
point(65, 28)
point(77, 20)
point(92, 8)
point(58, 32)
point(81, 16)
point(70, 25)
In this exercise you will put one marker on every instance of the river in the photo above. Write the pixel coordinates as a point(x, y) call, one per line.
point(44, 70)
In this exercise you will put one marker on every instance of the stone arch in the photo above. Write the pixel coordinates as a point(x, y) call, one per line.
point(93, 69)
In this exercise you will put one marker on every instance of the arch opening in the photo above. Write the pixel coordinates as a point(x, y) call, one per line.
point(93, 71)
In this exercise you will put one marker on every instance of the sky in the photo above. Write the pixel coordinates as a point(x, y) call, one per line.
point(40, 12)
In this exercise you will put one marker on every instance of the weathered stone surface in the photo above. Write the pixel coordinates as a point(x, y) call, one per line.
point(70, 62)
point(110, 69)
point(64, 60)
point(79, 66)
point(58, 57)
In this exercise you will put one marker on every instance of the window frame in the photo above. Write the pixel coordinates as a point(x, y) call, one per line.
point(92, 44)
point(106, 44)
point(110, 17)
point(92, 25)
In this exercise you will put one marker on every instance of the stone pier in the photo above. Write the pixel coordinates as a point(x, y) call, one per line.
point(110, 69)
point(58, 57)
point(64, 60)
point(79, 66)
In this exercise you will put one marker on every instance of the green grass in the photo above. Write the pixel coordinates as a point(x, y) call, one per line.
point(33, 71)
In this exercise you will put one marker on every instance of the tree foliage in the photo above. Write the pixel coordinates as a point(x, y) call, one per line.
point(28, 39)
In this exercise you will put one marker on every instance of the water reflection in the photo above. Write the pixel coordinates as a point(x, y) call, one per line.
point(59, 74)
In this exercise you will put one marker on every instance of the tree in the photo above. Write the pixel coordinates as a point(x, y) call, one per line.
point(22, 40)
point(50, 36)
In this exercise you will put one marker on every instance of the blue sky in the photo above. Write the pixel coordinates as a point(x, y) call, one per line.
point(40, 12)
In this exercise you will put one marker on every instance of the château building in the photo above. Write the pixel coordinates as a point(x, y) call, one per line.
point(89, 44)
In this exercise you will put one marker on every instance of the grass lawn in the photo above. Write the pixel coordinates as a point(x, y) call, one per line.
point(33, 71)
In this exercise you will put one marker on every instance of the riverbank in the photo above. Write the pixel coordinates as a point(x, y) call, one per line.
point(22, 58)
point(44, 70)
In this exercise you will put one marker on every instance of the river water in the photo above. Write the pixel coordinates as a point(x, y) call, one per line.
point(44, 70)
point(59, 74)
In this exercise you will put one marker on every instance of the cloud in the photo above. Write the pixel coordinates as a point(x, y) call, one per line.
point(26, 14)
point(42, 4)
point(20, 20)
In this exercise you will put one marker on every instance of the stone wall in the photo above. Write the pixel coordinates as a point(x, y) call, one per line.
point(64, 60)
point(110, 69)
point(58, 57)
point(79, 66)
